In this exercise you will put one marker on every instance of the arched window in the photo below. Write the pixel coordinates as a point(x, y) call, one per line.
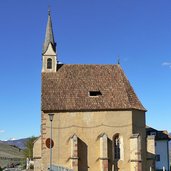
point(49, 63)
point(116, 147)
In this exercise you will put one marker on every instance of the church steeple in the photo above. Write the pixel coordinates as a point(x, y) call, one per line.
point(49, 37)
point(49, 54)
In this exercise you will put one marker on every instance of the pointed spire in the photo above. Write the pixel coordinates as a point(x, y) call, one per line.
point(49, 37)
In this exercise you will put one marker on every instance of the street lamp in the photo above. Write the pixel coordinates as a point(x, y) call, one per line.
point(51, 119)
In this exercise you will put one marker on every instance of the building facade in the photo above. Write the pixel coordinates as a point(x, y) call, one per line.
point(99, 123)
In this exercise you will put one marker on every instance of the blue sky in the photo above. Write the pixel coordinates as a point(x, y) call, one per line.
point(86, 32)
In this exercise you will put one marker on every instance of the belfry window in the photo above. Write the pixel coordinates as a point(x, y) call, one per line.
point(49, 63)
point(116, 147)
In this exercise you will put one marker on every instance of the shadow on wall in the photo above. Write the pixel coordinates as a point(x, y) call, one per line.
point(82, 154)
point(113, 164)
point(151, 158)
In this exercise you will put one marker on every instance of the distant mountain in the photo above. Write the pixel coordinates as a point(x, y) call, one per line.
point(17, 143)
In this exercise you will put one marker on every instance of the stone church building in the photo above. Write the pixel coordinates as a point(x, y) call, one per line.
point(99, 123)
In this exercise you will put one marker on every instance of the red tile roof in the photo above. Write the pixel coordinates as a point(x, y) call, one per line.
point(68, 89)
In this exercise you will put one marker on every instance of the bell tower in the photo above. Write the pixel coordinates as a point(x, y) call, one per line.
point(49, 54)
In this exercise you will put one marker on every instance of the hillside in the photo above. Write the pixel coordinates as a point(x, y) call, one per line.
point(18, 143)
point(9, 155)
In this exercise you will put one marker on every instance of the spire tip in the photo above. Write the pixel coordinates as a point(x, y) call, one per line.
point(49, 10)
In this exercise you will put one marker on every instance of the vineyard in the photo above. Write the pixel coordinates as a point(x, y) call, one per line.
point(10, 156)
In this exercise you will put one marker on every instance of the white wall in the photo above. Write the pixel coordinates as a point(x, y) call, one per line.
point(162, 150)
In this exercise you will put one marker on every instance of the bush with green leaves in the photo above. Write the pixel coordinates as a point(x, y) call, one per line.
point(28, 151)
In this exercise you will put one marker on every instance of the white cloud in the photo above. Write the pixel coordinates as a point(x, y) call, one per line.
point(2, 131)
point(166, 64)
point(10, 139)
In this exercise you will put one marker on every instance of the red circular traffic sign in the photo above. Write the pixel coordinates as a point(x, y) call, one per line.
point(48, 140)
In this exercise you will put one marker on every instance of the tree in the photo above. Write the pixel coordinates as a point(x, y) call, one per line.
point(28, 151)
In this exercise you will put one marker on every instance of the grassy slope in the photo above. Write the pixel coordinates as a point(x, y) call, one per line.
point(9, 154)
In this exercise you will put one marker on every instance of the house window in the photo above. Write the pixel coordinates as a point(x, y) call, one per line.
point(116, 147)
point(95, 93)
point(153, 133)
point(49, 63)
point(157, 157)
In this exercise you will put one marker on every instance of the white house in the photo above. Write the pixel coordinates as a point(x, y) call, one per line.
point(161, 148)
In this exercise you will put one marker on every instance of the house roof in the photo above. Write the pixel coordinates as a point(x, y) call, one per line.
point(70, 89)
point(159, 135)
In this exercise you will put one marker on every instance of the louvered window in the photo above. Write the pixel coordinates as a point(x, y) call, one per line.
point(49, 63)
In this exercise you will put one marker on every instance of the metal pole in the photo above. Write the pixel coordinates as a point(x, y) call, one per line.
point(50, 145)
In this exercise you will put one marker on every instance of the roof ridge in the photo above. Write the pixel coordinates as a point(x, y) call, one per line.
point(92, 64)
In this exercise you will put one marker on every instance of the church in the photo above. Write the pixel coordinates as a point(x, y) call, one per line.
point(98, 121)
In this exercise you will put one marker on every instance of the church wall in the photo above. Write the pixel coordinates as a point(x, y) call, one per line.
point(37, 148)
point(151, 152)
point(37, 154)
point(139, 126)
point(88, 126)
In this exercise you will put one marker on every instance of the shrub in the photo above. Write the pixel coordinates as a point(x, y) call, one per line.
point(31, 166)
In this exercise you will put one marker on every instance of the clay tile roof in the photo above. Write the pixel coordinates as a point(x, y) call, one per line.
point(69, 89)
